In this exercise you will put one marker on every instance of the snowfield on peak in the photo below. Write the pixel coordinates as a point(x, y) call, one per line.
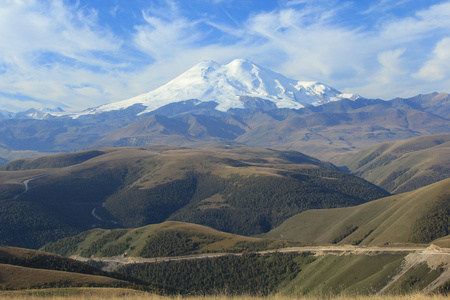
point(33, 113)
point(226, 84)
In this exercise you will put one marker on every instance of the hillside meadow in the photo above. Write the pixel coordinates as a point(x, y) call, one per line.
point(126, 294)
point(405, 165)
point(419, 216)
point(169, 238)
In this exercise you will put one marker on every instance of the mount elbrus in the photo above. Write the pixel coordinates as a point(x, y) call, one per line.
point(240, 102)
point(221, 182)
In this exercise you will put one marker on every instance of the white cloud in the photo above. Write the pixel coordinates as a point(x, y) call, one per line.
point(113, 11)
point(221, 1)
point(58, 52)
point(391, 65)
point(374, 63)
point(16, 105)
point(31, 26)
point(438, 67)
point(295, 2)
point(46, 45)
point(389, 76)
point(167, 35)
point(385, 5)
point(307, 45)
point(419, 26)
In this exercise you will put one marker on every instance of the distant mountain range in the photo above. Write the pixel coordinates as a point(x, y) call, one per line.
point(223, 87)
point(31, 113)
point(239, 102)
point(190, 167)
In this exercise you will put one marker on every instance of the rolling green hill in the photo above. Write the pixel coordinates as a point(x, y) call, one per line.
point(235, 189)
point(24, 268)
point(55, 161)
point(291, 274)
point(443, 242)
point(16, 277)
point(403, 166)
point(8, 155)
point(159, 240)
point(419, 216)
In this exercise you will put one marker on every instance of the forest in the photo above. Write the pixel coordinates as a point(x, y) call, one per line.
point(249, 273)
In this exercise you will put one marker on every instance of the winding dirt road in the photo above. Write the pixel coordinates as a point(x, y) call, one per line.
point(26, 182)
point(114, 262)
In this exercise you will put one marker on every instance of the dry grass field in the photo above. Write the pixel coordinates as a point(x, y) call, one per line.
point(125, 294)
point(19, 277)
point(386, 220)
point(405, 165)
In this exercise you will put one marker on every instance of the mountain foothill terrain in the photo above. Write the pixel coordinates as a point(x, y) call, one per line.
point(31, 269)
point(167, 239)
point(240, 190)
point(402, 166)
point(325, 132)
point(51, 195)
point(181, 191)
point(420, 216)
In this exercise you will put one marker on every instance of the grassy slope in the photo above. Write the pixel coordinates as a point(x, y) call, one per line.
point(24, 268)
point(123, 294)
point(386, 220)
point(403, 166)
point(383, 273)
point(443, 242)
point(350, 274)
point(17, 277)
point(81, 292)
point(55, 161)
point(132, 241)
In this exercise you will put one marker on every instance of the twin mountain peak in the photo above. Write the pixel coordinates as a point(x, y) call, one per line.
point(228, 86)
point(222, 87)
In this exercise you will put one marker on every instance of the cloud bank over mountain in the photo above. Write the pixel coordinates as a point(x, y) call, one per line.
point(84, 54)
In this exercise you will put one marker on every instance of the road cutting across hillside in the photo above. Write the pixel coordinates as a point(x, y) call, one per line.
point(114, 262)
point(434, 257)
point(27, 181)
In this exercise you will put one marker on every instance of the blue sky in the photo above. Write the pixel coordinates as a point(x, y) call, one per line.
point(80, 54)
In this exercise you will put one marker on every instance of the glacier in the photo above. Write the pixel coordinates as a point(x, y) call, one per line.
point(227, 85)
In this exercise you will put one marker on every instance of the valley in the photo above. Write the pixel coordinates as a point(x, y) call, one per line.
point(237, 102)
point(230, 180)
point(391, 270)
point(370, 243)
point(224, 187)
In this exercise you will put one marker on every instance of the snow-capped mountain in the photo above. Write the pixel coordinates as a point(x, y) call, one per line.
point(4, 114)
point(227, 84)
point(40, 113)
point(33, 113)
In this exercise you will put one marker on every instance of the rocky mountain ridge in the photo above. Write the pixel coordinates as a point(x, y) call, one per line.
point(239, 102)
